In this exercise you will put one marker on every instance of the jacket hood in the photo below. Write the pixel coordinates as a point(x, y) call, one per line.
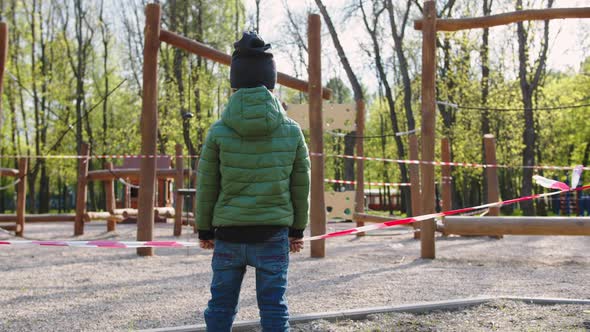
point(253, 112)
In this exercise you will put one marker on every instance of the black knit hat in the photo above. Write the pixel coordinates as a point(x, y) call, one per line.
point(252, 64)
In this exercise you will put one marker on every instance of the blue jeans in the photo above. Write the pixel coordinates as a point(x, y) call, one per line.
point(271, 260)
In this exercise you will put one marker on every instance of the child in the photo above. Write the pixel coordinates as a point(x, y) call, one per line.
point(252, 191)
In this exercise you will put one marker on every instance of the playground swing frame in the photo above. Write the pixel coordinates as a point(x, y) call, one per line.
point(430, 25)
point(154, 35)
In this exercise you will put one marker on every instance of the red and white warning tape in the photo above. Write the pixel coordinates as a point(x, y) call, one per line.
point(105, 244)
point(103, 156)
point(174, 244)
point(547, 183)
point(402, 184)
point(431, 216)
point(443, 163)
point(389, 160)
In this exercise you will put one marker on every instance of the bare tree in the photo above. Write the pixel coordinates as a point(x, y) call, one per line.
point(398, 34)
point(294, 35)
point(373, 30)
point(349, 140)
point(529, 82)
point(485, 87)
point(132, 24)
point(79, 57)
point(257, 2)
point(105, 37)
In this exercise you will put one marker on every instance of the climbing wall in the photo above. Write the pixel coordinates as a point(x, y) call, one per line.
point(339, 204)
point(335, 116)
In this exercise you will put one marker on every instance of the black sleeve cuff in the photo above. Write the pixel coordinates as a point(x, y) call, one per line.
point(296, 233)
point(206, 235)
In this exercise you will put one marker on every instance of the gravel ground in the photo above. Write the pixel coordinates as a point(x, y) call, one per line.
point(83, 289)
point(493, 316)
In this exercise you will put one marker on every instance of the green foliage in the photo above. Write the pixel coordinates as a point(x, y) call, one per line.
point(39, 99)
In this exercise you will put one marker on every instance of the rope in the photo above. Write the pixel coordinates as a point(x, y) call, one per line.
point(125, 183)
point(400, 133)
point(10, 185)
point(484, 108)
point(95, 156)
point(445, 163)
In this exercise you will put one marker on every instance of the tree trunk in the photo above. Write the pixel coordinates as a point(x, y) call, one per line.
point(390, 101)
point(485, 89)
point(398, 38)
point(528, 88)
point(349, 140)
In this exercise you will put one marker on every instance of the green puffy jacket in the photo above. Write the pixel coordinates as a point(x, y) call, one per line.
point(254, 166)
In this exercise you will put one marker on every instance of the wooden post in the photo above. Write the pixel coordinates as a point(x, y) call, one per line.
point(109, 188)
point(81, 192)
point(360, 165)
point(492, 226)
point(126, 196)
point(447, 179)
point(415, 182)
point(318, 209)
point(178, 198)
point(149, 129)
point(3, 56)
point(492, 175)
point(193, 198)
point(428, 227)
point(507, 18)
point(210, 53)
point(21, 196)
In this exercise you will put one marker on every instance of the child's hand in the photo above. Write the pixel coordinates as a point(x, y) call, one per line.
point(295, 245)
point(207, 244)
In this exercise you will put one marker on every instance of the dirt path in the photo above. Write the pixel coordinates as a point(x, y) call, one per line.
point(59, 289)
point(495, 316)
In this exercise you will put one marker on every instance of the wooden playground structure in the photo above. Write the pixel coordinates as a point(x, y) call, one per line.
point(430, 25)
point(422, 176)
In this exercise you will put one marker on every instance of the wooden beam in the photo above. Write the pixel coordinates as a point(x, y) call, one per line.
point(121, 212)
point(130, 213)
point(81, 192)
point(149, 129)
point(21, 197)
point(318, 208)
point(164, 211)
point(111, 204)
point(415, 181)
point(428, 227)
point(8, 172)
point(101, 215)
point(109, 188)
point(360, 163)
point(506, 18)
point(363, 217)
point(210, 53)
point(178, 183)
point(517, 225)
point(32, 218)
point(133, 173)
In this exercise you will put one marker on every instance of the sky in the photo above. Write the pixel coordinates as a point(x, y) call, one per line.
point(567, 49)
